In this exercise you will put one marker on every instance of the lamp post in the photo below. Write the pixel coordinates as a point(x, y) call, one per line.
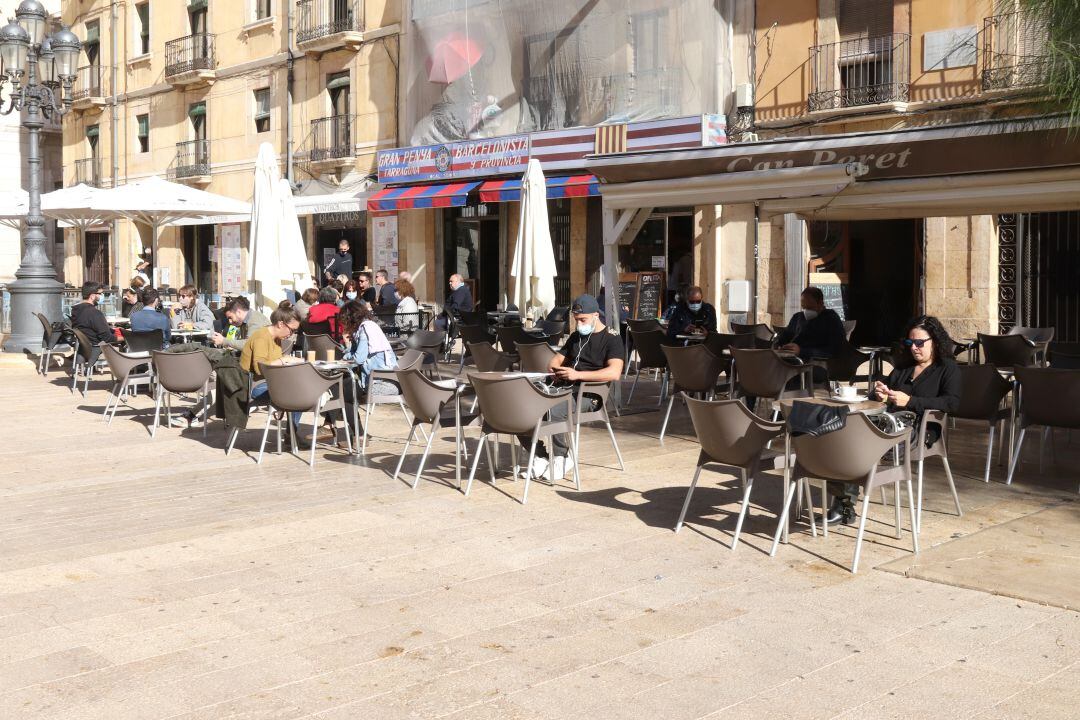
point(37, 67)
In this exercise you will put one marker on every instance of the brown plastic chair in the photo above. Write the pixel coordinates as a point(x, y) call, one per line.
point(510, 335)
point(982, 392)
point(844, 366)
point(694, 372)
point(85, 360)
point(852, 455)
point(646, 325)
point(535, 356)
point(1064, 355)
point(322, 346)
point(488, 359)
point(736, 439)
point(180, 374)
point(764, 374)
point(429, 342)
point(1048, 397)
point(1039, 337)
point(553, 328)
point(301, 388)
point(123, 366)
point(50, 343)
point(648, 344)
point(472, 334)
point(513, 406)
point(1007, 351)
point(143, 340)
point(409, 360)
point(759, 330)
point(427, 400)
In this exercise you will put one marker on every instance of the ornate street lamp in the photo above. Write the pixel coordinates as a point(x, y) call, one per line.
point(41, 70)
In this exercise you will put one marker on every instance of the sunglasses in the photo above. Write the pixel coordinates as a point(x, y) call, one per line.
point(916, 343)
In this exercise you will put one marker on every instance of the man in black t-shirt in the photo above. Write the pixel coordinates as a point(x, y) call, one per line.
point(591, 354)
point(387, 298)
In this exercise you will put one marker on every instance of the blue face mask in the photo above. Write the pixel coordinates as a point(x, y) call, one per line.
point(695, 306)
point(585, 328)
point(350, 295)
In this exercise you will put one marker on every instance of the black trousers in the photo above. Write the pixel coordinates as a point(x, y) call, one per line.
point(589, 403)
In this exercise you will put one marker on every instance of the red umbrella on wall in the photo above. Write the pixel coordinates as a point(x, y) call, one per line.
point(452, 57)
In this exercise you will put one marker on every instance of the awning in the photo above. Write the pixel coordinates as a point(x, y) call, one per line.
point(557, 187)
point(421, 196)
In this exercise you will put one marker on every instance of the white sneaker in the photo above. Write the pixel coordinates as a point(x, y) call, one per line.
point(540, 467)
point(568, 467)
point(558, 468)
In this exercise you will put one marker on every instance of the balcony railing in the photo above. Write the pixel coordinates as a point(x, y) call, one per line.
point(332, 138)
point(189, 54)
point(1014, 51)
point(321, 18)
point(862, 71)
point(88, 171)
point(192, 159)
point(87, 83)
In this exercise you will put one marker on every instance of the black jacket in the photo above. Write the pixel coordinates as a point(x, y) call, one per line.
point(821, 337)
point(938, 387)
point(684, 317)
point(90, 320)
point(459, 300)
point(341, 265)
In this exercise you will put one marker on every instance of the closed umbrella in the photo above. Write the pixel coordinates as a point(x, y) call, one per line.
point(264, 253)
point(294, 258)
point(534, 268)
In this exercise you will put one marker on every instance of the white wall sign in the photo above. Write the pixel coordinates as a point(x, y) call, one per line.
point(385, 244)
point(231, 260)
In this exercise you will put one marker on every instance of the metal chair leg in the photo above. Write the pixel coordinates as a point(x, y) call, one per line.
point(859, 535)
point(667, 415)
point(266, 432)
point(614, 442)
point(404, 451)
point(952, 486)
point(424, 457)
point(788, 497)
point(157, 413)
point(989, 454)
point(748, 484)
point(1016, 456)
point(475, 462)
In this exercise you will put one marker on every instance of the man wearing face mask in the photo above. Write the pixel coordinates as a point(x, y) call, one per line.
point(85, 316)
point(816, 332)
point(694, 317)
point(591, 354)
point(340, 265)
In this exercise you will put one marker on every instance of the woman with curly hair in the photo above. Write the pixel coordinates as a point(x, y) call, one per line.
point(925, 378)
point(365, 343)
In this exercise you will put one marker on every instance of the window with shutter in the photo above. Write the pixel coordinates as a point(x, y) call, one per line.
point(864, 18)
point(262, 110)
point(143, 134)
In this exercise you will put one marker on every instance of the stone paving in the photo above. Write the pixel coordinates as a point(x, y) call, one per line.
point(158, 578)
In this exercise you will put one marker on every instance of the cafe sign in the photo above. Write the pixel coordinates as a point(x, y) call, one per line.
point(470, 158)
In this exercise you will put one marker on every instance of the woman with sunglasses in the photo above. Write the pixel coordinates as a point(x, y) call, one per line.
point(925, 378)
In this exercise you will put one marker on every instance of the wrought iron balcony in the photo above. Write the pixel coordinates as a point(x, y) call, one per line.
point(190, 59)
point(88, 87)
point(332, 139)
point(192, 161)
point(328, 24)
point(88, 171)
point(1014, 51)
point(862, 71)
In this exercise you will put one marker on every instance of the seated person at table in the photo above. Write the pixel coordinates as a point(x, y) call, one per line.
point(387, 298)
point(591, 354)
point(130, 303)
point(306, 301)
point(322, 318)
point(151, 317)
point(243, 320)
point(816, 332)
point(351, 291)
point(368, 293)
point(406, 312)
point(460, 299)
point(86, 317)
point(693, 317)
point(192, 313)
point(265, 346)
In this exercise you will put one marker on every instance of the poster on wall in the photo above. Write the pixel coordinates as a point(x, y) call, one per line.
point(231, 263)
point(385, 244)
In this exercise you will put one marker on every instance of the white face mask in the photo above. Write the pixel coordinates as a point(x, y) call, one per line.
point(350, 295)
point(586, 328)
point(809, 314)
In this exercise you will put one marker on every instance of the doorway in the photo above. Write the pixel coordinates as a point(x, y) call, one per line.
point(665, 243)
point(199, 267)
point(96, 257)
point(471, 248)
point(880, 263)
point(326, 243)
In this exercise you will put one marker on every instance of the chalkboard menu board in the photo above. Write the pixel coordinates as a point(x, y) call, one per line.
point(834, 287)
point(650, 295)
point(628, 294)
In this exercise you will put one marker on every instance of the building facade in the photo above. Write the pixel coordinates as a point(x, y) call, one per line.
point(13, 146)
point(190, 90)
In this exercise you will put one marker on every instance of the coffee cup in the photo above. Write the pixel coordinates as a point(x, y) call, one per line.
point(310, 356)
point(331, 355)
point(847, 392)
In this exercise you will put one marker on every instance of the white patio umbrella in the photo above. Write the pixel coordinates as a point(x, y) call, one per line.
point(534, 266)
point(156, 202)
point(76, 207)
point(14, 205)
point(278, 260)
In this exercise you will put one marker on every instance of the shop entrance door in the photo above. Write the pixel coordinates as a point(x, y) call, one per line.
point(665, 243)
point(326, 242)
point(472, 251)
point(96, 258)
point(880, 262)
point(198, 266)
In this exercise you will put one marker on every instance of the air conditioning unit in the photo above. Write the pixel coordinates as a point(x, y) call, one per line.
point(744, 95)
